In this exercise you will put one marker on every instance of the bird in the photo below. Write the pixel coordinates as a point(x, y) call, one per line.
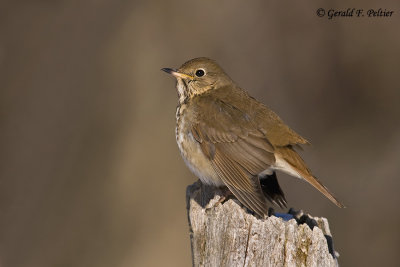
point(230, 140)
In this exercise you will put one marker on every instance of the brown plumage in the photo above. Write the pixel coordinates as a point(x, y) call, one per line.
point(228, 138)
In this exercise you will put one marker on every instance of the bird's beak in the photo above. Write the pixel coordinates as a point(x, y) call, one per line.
point(177, 74)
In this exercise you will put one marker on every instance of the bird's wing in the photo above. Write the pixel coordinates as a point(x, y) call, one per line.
point(237, 150)
point(281, 138)
point(267, 121)
point(277, 132)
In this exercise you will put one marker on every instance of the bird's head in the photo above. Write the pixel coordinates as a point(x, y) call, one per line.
point(198, 76)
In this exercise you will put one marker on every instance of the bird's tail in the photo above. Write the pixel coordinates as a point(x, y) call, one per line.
point(299, 166)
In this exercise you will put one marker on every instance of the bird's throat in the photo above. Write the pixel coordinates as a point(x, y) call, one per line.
point(182, 90)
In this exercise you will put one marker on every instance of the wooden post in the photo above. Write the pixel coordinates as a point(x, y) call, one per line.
point(227, 235)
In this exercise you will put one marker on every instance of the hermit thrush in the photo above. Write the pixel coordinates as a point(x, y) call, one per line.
point(227, 138)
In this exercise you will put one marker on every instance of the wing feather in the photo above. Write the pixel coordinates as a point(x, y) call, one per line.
point(237, 153)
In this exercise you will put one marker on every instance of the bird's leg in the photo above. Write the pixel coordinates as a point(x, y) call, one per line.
point(225, 195)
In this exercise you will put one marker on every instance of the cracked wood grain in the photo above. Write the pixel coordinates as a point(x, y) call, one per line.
point(227, 235)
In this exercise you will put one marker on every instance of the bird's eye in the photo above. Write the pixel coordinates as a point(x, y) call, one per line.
point(200, 73)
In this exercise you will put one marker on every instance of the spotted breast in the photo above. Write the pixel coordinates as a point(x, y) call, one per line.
point(191, 152)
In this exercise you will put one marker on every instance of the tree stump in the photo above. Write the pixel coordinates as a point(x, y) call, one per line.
point(228, 235)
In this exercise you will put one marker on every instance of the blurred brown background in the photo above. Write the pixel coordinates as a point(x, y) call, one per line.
point(90, 174)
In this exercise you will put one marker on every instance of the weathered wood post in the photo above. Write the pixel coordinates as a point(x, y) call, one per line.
point(227, 235)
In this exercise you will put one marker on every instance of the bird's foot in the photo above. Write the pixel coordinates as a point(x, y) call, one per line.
point(225, 195)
